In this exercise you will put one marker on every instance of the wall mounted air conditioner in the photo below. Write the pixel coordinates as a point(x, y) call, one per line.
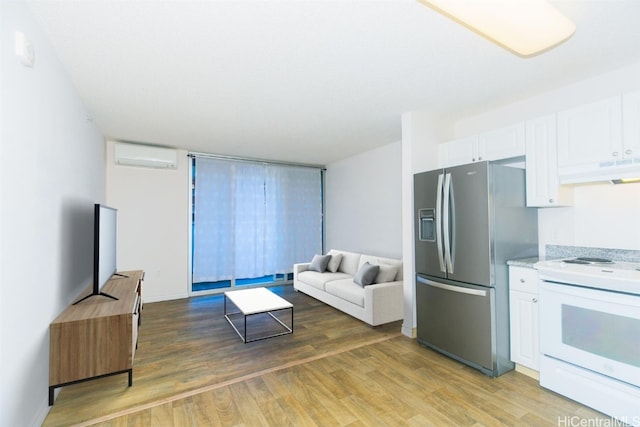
point(145, 155)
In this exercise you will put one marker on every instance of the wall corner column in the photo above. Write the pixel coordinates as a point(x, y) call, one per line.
point(419, 153)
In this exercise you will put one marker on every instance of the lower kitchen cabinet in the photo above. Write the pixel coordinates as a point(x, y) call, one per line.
point(524, 317)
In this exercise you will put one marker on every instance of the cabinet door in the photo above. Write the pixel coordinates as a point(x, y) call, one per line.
point(459, 151)
point(524, 319)
point(543, 186)
point(591, 133)
point(502, 143)
point(631, 124)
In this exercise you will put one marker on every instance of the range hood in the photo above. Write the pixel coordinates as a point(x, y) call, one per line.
point(618, 172)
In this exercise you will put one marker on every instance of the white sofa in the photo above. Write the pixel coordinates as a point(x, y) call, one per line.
point(374, 304)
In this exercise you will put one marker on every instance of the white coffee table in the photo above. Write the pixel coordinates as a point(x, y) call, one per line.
point(257, 301)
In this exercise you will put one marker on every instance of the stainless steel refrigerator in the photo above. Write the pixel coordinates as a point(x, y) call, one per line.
point(470, 220)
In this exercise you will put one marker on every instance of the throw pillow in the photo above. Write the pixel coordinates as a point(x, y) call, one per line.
point(319, 263)
point(334, 262)
point(366, 274)
point(387, 273)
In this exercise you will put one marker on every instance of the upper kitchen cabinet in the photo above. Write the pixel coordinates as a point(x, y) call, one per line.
point(498, 144)
point(590, 133)
point(631, 124)
point(543, 186)
point(503, 143)
point(459, 152)
point(600, 141)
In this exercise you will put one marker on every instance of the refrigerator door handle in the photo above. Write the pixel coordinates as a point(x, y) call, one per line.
point(439, 222)
point(452, 288)
point(446, 226)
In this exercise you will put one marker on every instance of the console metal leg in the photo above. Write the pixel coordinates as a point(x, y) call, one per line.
point(53, 387)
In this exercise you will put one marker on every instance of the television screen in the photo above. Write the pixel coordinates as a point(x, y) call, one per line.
point(104, 250)
point(105, 233)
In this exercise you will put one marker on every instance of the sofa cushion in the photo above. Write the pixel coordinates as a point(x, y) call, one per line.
point(350, 262)
point(334, 262)
point(347, 290)
point(319, 263)
point(318, 280)
point(366, 274)
point(383, 261)
point(386, 274)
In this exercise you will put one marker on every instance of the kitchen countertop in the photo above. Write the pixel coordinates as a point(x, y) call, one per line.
point(626, 255)
point(528, 262)
point(559, 252)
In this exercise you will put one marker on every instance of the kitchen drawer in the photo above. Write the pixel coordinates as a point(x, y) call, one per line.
point(523, 279)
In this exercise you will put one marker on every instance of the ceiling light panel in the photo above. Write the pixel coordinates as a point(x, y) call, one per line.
point(525, 27)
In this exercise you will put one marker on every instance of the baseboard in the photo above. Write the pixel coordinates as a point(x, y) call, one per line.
point(159, 298)
point(409, 331)
point(41, 413)
point(528, 372)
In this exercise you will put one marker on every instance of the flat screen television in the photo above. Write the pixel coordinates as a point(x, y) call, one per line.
point(105, 234)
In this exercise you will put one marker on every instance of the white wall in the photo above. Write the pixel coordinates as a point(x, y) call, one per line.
point(420, 136)
point(603, 215)
point(52, 172)
point(363, 203)
point(153, 224)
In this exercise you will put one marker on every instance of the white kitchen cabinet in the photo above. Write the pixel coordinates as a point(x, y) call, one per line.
point(498, 144)
point(502, 143)
point(631, 124)
point(600, 141)
point(524, 317)
point(459, 152)
point(543, 186)
point(591, 133)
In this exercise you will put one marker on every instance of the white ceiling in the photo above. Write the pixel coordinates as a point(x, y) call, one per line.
point(310, 81)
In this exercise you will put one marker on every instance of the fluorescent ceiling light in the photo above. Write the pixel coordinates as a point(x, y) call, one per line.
point(525, 27)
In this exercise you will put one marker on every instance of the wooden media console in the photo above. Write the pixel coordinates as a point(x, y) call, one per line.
point(97, 337)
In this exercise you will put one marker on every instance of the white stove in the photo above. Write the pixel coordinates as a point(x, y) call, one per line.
point(597, 273)
point(590, 333)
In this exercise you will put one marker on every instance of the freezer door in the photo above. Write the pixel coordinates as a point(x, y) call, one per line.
point(467, 214)
point(457, 321)
point(427, 190)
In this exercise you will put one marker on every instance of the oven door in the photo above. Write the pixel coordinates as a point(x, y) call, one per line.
point(597, 330)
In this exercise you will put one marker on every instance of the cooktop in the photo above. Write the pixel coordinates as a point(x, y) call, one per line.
point(597, 273)
point(587, 260)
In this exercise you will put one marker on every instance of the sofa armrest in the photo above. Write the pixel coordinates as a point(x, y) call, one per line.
point(384, 301)
point(299, 268)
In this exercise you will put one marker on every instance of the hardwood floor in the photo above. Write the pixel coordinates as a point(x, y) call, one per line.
point(192, 369)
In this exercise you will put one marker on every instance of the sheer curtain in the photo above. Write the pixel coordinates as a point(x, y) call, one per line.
point(294, 209)
point(253, 219)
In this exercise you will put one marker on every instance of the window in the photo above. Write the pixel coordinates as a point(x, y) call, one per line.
point(252, 221)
